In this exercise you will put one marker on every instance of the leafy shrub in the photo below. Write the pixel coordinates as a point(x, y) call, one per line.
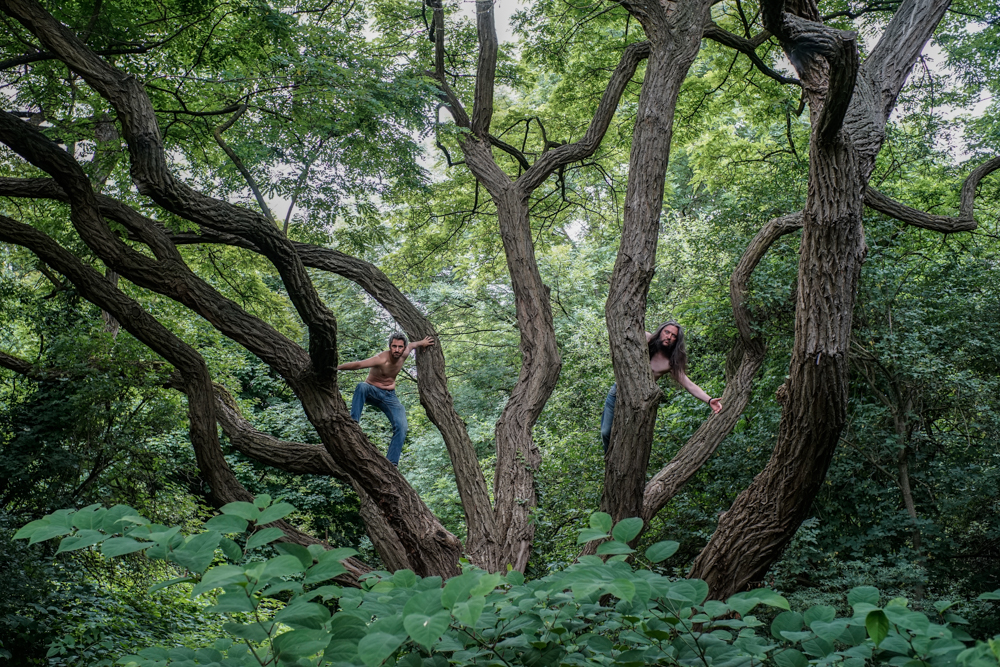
point(285, 611)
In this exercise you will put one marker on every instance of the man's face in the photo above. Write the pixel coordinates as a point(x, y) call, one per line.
point(668, 336)
point(396, 348)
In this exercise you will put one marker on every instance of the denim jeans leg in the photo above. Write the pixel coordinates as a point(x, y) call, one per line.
point(358, 401)
point(608, 417)
point(394, 410)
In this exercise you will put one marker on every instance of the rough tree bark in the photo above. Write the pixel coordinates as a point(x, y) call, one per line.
point(517, 455)
point(674, 31)
point(848, 118)
point(431, 549)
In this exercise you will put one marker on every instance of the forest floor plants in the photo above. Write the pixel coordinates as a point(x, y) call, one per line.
point(609, 608)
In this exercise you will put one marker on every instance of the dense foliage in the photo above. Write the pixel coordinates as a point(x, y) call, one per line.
point(339, 131)
point(599, 611)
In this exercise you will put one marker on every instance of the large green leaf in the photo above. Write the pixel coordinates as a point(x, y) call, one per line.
point(262, 537)
point(241, 509)
point(601, 521)
point(197, 552)
point(227, 523)
point(877, 624)
point(303, 614)
point(83, 539)
point(275, 512)
point(119, 546)
point(661, 551)
point(627, 529)
point(424, 628)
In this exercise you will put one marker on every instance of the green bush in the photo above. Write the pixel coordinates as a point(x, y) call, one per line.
point(285, 610)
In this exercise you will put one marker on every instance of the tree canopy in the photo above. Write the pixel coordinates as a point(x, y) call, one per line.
point(206, 207)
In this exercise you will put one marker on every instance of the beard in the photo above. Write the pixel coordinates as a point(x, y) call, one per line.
point(659, 347)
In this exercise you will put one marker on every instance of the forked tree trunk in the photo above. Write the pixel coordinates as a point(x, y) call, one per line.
point(844, 143)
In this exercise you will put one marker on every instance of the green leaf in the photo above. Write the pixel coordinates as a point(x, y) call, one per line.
point(119, 546)
point(786, 621)
point(770, 598)
point(83, 539)
point(235, 601)
point(89, 518)
point(304, 614)
point(262, 537)
point(281, 566)
point(241, 509)
point(375, 647)
point(261, 501)
point(486, 584)
point(197, 552)
point(231, 549)
point(218, 577)
point(621, 588)
point(789, 657)
point(227, 523)
point(613, 547)
point(877, 624)
point(275, 512)
point(995, 595)
point(426, 629)
point(457, 589)
point(820, 612)
point(514, 578)
point(299, 644)
point(661, 551)
point(345, 633)
point(324, 571)
point(601, 521)
point(590, 534)
point(627, 529)
point(404, 578)
point(297, 550)
point(469, 611)
point(114, 521)
point(867, 594)
point(28, 530)
point(47, 532)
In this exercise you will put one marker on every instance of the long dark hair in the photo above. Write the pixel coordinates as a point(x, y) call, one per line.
point(677, 353)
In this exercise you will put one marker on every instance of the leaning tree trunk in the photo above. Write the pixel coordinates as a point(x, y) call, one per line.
point(675, 37)
point(848, 118)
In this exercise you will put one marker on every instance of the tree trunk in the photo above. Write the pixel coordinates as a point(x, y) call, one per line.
point(848, 119)
point(675, 37)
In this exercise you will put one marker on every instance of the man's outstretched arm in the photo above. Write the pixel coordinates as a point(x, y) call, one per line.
point(364, 363)
point(427, 342)
point(699, 393)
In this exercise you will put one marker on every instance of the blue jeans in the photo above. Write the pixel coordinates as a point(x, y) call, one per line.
point(388, 403)
point(608, 416)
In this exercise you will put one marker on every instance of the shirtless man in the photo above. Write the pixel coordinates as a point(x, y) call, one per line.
point(667, 354)
point(379, 388)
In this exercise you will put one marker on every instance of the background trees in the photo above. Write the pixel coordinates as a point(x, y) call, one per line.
point(217, 114)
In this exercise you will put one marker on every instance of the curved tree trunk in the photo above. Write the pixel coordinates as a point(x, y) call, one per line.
point(675, 37)
point(848, 119)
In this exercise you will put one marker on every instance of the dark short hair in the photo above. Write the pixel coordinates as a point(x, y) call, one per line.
point(399, 335)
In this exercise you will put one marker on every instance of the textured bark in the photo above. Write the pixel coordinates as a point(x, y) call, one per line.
point(675, 37)
point(192, 373)
point(845, 141)
point(429, 547)
point(517, 455)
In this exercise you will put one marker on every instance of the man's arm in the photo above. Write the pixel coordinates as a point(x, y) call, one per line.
point(364, 363)
point(427, 342)
point(699, 393)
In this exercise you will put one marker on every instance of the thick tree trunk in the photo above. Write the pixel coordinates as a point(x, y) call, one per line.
point(675, 37)
point(845, 141)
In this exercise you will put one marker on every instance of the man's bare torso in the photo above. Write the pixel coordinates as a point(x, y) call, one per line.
point(383, 375)
point(660, 365)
